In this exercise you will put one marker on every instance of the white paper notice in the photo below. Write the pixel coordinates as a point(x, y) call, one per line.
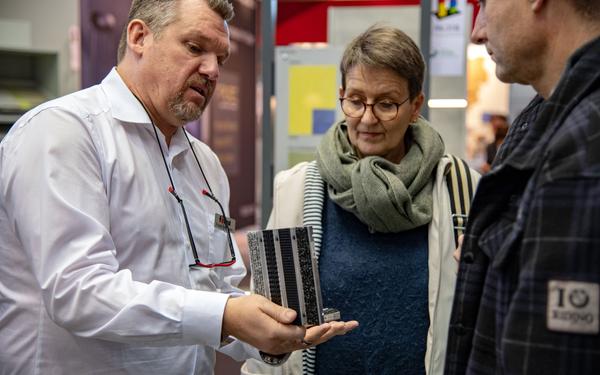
point(448, 37)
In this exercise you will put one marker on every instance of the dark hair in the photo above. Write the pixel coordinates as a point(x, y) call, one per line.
point(386, 47)
point(589, 9)
point(158, 14)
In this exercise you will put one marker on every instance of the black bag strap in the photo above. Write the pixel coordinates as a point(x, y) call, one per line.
point(460, 189)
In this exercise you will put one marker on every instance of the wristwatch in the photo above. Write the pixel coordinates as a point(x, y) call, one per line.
point(273, 360)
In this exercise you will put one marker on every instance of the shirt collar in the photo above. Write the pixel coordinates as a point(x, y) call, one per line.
point(128, 109)
point(124, 105)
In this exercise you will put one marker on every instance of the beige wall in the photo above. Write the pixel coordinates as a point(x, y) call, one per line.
point(49, 22)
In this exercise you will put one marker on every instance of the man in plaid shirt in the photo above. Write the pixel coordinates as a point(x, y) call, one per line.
point(527, 296)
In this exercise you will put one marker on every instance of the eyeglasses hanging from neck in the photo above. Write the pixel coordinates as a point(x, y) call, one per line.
point(207, 193)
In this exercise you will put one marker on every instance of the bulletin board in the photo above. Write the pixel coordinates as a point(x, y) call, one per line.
point(307, 82)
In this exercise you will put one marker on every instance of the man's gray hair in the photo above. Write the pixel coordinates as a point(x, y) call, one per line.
point(389, 48)
point(158, 14)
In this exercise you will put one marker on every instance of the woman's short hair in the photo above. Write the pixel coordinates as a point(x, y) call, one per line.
point(390, 48)
point(158, 14)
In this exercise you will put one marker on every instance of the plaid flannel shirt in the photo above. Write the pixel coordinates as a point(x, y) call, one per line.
point(535, 220)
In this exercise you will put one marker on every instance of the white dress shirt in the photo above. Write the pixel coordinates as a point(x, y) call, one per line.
point(94, 255)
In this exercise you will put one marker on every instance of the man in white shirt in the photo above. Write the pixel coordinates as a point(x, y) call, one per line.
point(111, 261)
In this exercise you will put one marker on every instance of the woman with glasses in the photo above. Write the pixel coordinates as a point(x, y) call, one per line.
point(377, 199)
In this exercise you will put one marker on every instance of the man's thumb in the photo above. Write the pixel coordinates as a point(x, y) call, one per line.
point(279, 313)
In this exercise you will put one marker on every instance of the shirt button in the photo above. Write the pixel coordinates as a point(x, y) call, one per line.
point(468, 257)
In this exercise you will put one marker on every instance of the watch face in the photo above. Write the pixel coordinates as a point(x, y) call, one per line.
point(273, 359)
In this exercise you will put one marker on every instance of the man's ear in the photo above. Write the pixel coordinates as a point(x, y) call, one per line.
point(137, 34)
point(341, 92)
point(537, 5)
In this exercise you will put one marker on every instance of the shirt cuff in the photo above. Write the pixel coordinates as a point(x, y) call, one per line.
point(203, 317)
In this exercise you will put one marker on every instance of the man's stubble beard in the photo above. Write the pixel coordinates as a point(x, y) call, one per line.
point(185, 111)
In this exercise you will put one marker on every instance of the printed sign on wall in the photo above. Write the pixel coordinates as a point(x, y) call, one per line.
point(448, 37)
point(312, 98)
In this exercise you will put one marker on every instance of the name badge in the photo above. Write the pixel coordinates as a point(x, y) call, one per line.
point(573, 307)
point(220, 222)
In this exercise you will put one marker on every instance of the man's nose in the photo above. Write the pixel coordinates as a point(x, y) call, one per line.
point(209, 67)
point(479, 33)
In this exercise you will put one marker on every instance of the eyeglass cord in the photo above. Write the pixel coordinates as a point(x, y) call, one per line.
point(208, 193)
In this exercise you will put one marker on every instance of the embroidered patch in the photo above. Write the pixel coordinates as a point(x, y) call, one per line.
point(573, 307)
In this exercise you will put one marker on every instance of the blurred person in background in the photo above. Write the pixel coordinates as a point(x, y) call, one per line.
point(499, 124)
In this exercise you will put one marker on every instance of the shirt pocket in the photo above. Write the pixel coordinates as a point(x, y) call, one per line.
point(218, 243)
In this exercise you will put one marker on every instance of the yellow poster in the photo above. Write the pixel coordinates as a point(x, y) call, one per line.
point(313, 98)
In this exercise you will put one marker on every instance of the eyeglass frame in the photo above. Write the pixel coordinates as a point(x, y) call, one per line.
point(372, 105)
point(197, 262)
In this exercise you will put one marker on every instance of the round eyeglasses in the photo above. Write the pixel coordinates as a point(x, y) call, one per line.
point(383, 110)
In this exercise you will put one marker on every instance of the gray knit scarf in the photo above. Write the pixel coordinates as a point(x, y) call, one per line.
point(387, 197)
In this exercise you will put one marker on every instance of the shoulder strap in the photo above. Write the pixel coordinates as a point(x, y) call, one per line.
point(460, 189)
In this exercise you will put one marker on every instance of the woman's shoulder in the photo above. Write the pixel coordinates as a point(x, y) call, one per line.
point(295, 173)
